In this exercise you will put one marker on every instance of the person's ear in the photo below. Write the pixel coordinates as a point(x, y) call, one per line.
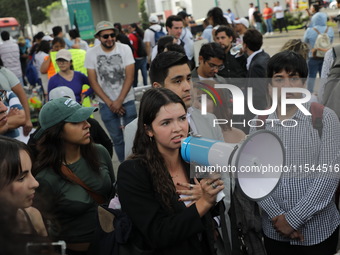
point(156, 85)
point(200, 59)
point(148, 131)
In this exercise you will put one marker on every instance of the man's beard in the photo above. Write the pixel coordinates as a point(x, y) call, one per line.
point(109, 47)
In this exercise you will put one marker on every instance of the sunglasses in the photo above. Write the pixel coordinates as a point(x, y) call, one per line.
point(107, 36)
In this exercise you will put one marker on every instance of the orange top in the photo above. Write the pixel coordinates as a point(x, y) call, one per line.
point(267, 13)
point(51, 70)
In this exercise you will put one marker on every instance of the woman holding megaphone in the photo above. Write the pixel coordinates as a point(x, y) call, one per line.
point(161, 223)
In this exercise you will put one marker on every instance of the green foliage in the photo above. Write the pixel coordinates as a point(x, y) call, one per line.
point(17, 9)
point(293, 19)
point(145, 19)
point(54, 6)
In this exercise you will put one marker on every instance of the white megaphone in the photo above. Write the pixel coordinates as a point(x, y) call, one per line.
point(256, 163)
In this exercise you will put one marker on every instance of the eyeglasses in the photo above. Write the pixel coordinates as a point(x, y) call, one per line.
point(3, 95)
point(107, 36)
point(213, 66)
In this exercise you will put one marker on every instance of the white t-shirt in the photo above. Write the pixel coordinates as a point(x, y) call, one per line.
point(38, 60)
point(278, 15)
point(10, 56)
point(250, 15)
point(110, 69)
point(149, 36)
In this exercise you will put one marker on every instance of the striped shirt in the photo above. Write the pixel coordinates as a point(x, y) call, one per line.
point(12, 102)
point(10, 56)
point(305, 194)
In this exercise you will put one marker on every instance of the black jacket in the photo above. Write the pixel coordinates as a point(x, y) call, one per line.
point(156, 227)
point(234, 67)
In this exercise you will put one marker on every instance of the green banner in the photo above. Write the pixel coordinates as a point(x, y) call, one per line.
point(80, 13)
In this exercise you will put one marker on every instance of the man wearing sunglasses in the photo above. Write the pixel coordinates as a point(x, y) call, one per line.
point(110, 68)
point(211, 59)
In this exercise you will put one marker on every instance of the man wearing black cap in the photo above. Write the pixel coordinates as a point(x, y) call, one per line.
point(110, 68)
point(187, 37)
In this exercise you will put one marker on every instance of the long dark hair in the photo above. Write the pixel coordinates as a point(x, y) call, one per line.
point(145, 148)
point(51, 151)
point(217, 16)
point(164, 40)
point(10, 162)
point(138, 30)
point(44, 46)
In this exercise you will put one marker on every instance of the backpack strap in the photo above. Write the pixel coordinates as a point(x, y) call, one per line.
point(75, 179)
point(153, 30)
point(317, 30)
point(185, 33)
point(317, 113)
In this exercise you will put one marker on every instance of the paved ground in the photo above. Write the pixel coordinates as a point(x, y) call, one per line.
point(273, 44)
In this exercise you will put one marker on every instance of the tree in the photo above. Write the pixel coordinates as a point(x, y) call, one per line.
point(17, 9)
point(145, 19)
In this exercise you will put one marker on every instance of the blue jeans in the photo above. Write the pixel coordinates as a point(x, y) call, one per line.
point(269, 25)
point(259, 27)
point(140, 64)
point(114, 122)
point(314, 67)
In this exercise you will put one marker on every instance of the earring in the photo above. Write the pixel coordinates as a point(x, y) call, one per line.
point(150, 137)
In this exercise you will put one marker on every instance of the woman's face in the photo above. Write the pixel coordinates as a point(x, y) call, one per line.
point(20, 192)
point(77, 133)
point(63, 64)
point(131, 29)
point(57, 46)
point(312, 9)
point(169, 127)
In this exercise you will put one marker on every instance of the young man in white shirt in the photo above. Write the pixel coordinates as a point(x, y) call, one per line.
point(280, 16)
point(110, 68)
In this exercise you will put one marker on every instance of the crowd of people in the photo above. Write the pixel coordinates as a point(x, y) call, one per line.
point(53, 180)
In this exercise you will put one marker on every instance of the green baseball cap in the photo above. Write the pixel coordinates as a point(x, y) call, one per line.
point(104, 25)
point(62, 109)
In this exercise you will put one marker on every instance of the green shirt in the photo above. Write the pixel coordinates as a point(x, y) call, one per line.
point(70, 205)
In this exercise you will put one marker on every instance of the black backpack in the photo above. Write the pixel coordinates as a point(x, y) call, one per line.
point(141, 52)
